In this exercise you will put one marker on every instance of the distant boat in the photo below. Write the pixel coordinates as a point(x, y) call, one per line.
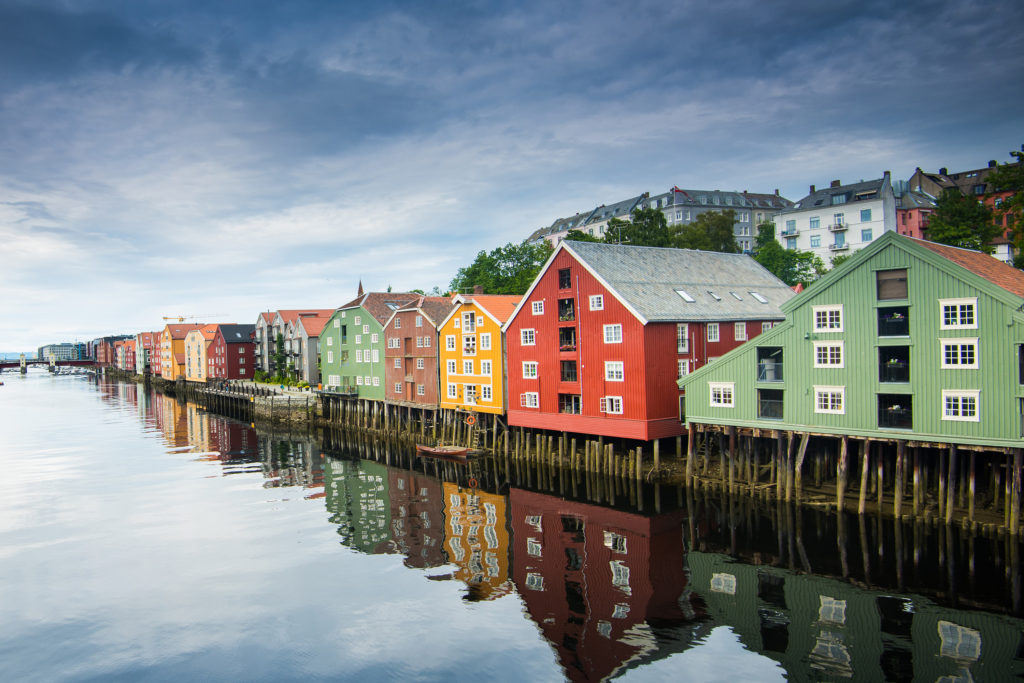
point(446, 452)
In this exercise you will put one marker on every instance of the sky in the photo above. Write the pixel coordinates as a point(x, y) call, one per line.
point(218, 159)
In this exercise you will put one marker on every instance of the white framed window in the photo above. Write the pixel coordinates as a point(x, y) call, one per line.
point(828, 318)
point(359, 355)
point(420, 364)
point(330, 357)
point(376, 381)
point(485, 368)
point(828, 354)
point(469, 322)
point(398, 387)
point(961, 353)
point(485, 393)
point(830, 400)
point(359, 339)
point(597, 302)
point(613, 334)
point(356, 320)
point(457, 323)
point(712, 332)
point(528, 337)
point(449, 342)
point(739, 331)
point(765, 327)
point(376, 356)
point(426, 342)
point(682, 337)
point(453, 391)
point(420, 391)
point(469, 393)
point(529, 369)
point(468, 345)
point(359, 381)
point(960, 405)
point(398, 324)
point(958, 314)
point(684, 369)
point(611, 405)
point(337, 322)
point(722, 394)
point(419, 321)
point(485, 341)
point(467, 367)
point(398, 362)
point(450, 366)
point(529, 399)
point(419, 342)
point(613, 370)
point(374, 338)
point(537, 307)
point(330, 341)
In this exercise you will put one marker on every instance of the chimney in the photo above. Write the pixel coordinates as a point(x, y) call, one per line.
point(992, 163)
point(943, 171)
point(835, 183)
point(478, 289)
point(812, 190)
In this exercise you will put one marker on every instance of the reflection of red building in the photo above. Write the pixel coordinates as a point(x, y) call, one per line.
point(597, 579)
point(417, 521)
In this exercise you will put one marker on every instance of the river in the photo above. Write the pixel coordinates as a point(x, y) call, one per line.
point(144, 539)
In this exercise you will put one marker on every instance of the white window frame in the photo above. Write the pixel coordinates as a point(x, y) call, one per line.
point(726, 397)
point(958, 341)
point(453, 391)
point(537, 307)
point(420, 390)
point(486, 394)
point(485, 341)
point(528, 336)
point(398, 324)
point(739, 331)
point(376, 381)
point(330, 357)
point(376, 356)
point(613, 334)
point(359, 355)
point(682, 337)
point(450, 366)
point(614, 371)
point(529, 366)
point(682, 369)
point(612, 405)
point(823, 391)
point(420, 364)
point(765, 327)
point(838, 343)
point(713, 332)
point(449, 342)
point(959, 303)
point(467, 366)
point(960, 395)
point(419, 321)
point(398, 387)
point(529, 399)
point(398, 363)
point(485, 368)
point(826, 323)
point(597, 302)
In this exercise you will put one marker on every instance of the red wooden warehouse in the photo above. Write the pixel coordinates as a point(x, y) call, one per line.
point(600, 338)
point(231, 354)
point(410, 354)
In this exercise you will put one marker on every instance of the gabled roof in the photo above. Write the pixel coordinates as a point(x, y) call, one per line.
point(237, 334)
point(314, 325)
point(267, 316)
point(292, 314)
point(498, 306)
point(434, 308)
point(661, 285)
point(381, 304)
point(995, 271)
point(181, 330)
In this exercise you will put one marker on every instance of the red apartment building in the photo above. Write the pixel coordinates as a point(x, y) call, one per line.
point(231, 354)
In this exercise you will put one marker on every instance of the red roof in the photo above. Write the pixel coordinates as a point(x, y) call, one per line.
point(180, 331)
point(501, 306)
point(268, 317)
point(314, 325)
point(290, 315)
point(982, 265)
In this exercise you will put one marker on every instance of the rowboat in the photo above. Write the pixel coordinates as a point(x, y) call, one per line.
point(459, 453)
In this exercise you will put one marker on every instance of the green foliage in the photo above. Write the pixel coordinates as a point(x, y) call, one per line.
point(711, 231)
point(1010, 178)
point(261, 376)
point(505, 270)
point(789, 265)
point(647, 228)
point(839, 259)
point(580, 236)
point(962, 221)
point(279, 358)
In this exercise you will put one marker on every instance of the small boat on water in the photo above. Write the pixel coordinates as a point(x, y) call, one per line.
point(459, 453)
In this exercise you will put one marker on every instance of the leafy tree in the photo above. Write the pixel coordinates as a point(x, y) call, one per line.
point(646, 228)
point(711, 231)
point(839, 259)
point(279, 358)
point(1010, 178)
point(505, 270)
point(580, 236)
point(789, 265)
point(962, 221)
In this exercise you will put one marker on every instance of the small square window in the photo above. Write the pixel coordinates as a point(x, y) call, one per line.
point(538, 307)
point(528, 337)
point(712, 332)
point(865, 215)
point(597, 302)
point(613, 334)
point(828, 318)
point(740, 331)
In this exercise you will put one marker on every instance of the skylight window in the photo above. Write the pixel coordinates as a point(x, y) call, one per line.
point(737, 296)
point(759, 297)
point(714, 296)
point(686, 297)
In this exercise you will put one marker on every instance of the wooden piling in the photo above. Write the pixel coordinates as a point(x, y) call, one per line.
point(798, 467)
point(950, 493)
point(865, 470)
point(841, 467)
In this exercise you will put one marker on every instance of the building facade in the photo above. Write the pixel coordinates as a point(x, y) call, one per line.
point(232, 352)
point(410, 353)
point(197, 342)
point(172, 349)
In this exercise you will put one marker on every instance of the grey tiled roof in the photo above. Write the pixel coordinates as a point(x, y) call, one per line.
point(237, 334)
point(914, 200)
point(649, 279)
point(823, 197)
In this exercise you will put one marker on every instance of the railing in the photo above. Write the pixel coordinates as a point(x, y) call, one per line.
point(567, 347)
point(566, 317)
point(895, 418)
point(894, 372)
point(769, 371)
point(893, 326)
point(837, 227)
point(789, 233)
point(769, 409)
point(838, 247)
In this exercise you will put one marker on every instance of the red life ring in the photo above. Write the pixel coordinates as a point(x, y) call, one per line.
point(471, 420)
point(473, 482)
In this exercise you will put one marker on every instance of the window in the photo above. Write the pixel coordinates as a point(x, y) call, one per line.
point(960, 405)
point(815, 241)
point(538, 307)
point(529, 369)
point(457, 322)
point(685, 296)
point(469, 345)
point(958, 314)
point(453, 391)
point(611, 405)
point(865, 215)
point(815, 223)
point(892, 284)
point(426, 342)
point(765, 327)
point(527, 337)
point(828, 354)
point(865, 235)
point(712, 332)
point(838, 219)
point(739, 331)
point(420, 364)
point(485, 341)
point(449, 342)
point(469, 393)
point(376, 381)
point(419, 321)
point(564, 279)
point(790, 226)
point(467, 367)
point(529, 399)
point(613, 371)
point(359, 381)
point(359, 355)
point(469, 322)
point(356, 320)
point(374, 338)
point(485, 368)
point(485, 393)
point(721, 394)
point(838, 199)
point(330, 357)
point(682, 337)
point(613, 334)
point(398, 362)
point(398, 324)
point(330, 341)
point(450, 367)
point(420, 391)
point(830, 400)
point(419, 342)
point(684, 369)
point(337, 322)
point(959, 353)
point(791, 243)
point(398, 387)
point(597, 302)
point(828, 318)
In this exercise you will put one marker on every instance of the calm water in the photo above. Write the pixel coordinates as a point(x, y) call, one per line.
point(142, 539)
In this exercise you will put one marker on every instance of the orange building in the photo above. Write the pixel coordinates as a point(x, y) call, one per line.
point(197, 341)
point(172, 349)
point(477, 540)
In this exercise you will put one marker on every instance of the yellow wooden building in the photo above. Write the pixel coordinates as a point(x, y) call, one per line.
point(471, 355)
point(197, 341)
point(172, 349)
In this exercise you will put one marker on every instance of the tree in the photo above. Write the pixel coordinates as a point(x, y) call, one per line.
point(789, 265)
point(647, 228)
point(279, 357)
point(504, 270)
point(1010, 178)
point(962, 221)
point(711, 231)
point(580, 236)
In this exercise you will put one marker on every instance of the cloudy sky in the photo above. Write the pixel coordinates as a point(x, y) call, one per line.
point(222, 158)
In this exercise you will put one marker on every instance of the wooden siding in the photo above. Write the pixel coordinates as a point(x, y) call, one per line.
point(1000, 333)
point(495, 355)
point(345, 348)
point(407, 353)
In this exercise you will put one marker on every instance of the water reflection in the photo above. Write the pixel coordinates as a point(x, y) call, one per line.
point(613, 589)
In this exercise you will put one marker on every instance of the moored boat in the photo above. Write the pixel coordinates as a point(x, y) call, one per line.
point(448, 452)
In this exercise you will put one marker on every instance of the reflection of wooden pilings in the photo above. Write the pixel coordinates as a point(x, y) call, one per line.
point(1015, 493)
point(789, 467)
point(691, 453)
point(897, 503)
point(865, 457)
point(916, 509)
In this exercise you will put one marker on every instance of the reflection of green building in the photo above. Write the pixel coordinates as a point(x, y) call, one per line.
point(358, 499)
point(824, 629)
